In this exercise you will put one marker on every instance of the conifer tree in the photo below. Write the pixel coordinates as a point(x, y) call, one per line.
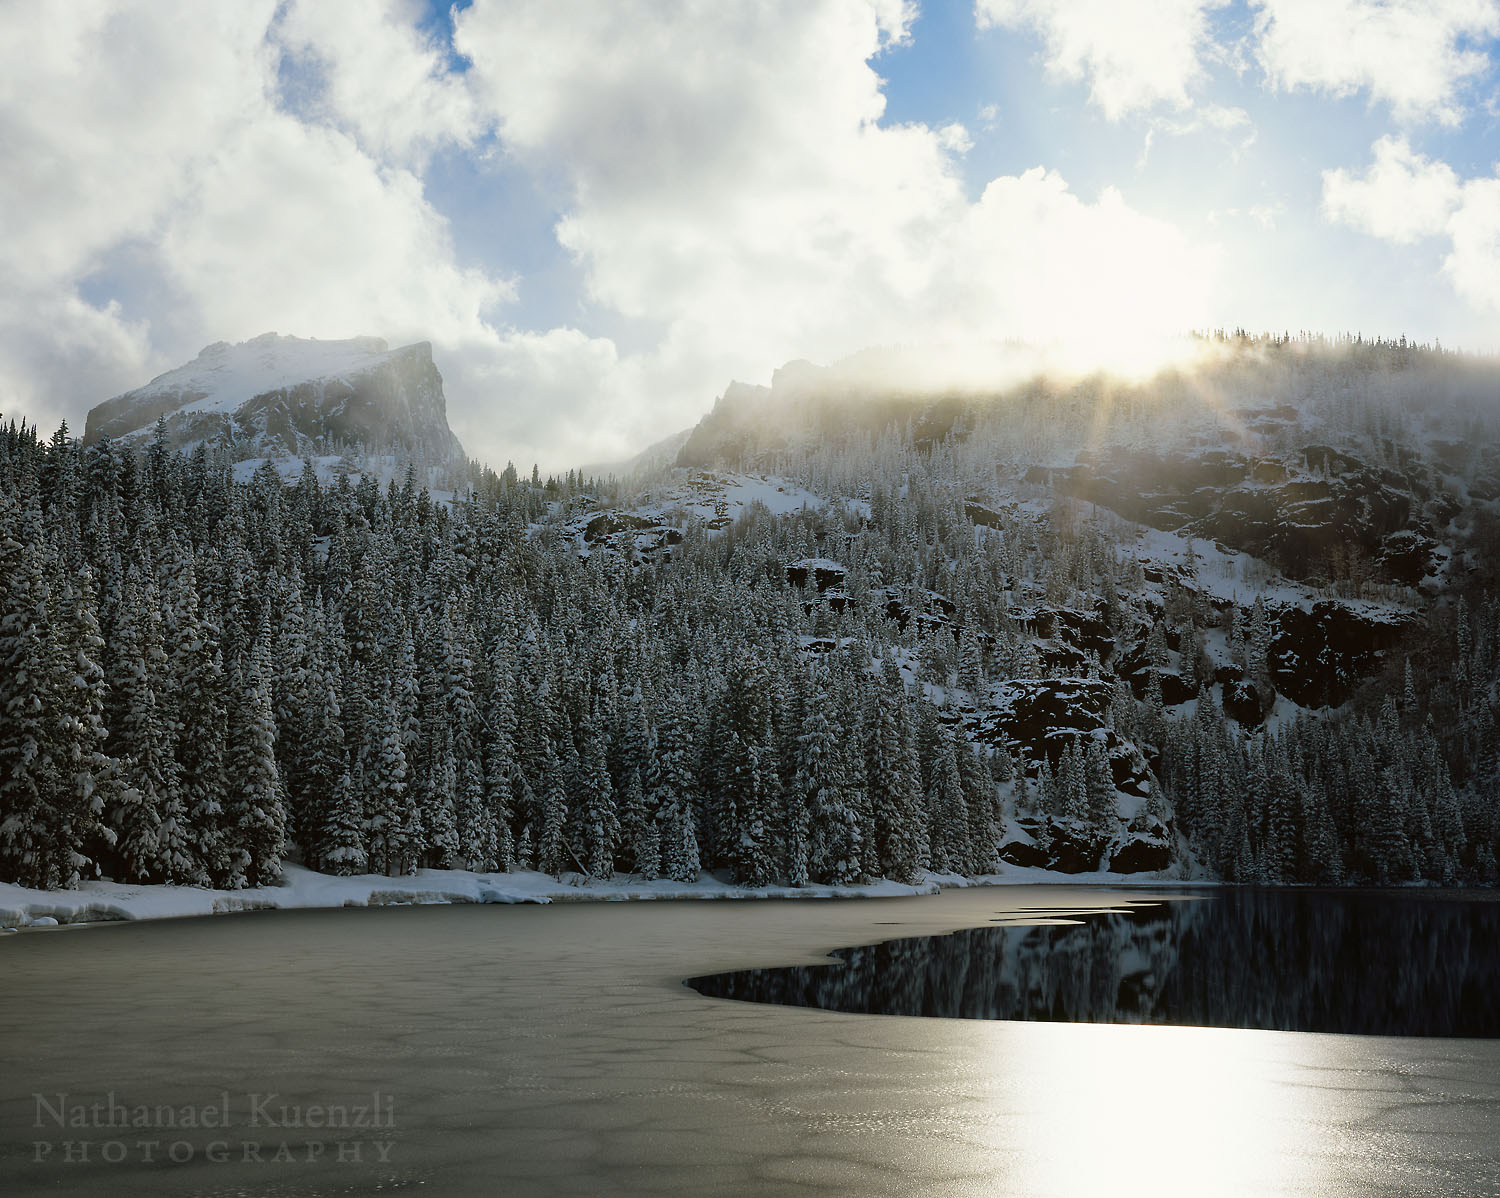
point(1102, 816)
point(892, 778)
point(324, 762)
point(30, 821)
point(385, 791)
point(833, 833)
point(478, 841)
point(256, 817)
point(138, 739)
point(949, 814)
point(598, 818)
point(672, 794)
point(634, 817)
point(553, 855)
point(342, 837)
point(648, 851)
point(436, 831)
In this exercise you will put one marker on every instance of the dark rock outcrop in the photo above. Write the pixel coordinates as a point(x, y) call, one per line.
point(1242, 703)
point(606, 524)
point(1040, 717)
point(1073, 849)
point(1309, 512)
point(1141, 850)
point(1021, 848)
point(629, 535)
point(1319, 655)
point(1067, 846)
point(821, 571)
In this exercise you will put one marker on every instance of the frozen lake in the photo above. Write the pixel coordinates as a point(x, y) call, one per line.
point(555, 1050)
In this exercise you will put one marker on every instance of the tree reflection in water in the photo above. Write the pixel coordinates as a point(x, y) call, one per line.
point(1371, 963)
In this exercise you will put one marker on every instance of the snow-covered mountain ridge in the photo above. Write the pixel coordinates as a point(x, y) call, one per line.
point(281, 396)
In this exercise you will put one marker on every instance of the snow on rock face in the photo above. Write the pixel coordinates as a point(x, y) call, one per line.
point(1083, 631)
point(1302, 509)
point(1040, 717)
point(1067, 847)
point(284, 393)
point(821, 570)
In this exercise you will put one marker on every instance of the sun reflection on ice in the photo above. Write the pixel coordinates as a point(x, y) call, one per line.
point(1123, 1110)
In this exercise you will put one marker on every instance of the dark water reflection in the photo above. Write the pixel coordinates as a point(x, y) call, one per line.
point(1367, 963)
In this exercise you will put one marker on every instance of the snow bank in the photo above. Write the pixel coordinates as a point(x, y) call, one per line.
point(98, 902)
point(104, 901)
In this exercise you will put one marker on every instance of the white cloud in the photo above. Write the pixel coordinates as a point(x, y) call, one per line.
point(383, 80)
point(149, 139)
point(1057, 266)
point(95, 130)
point(1232, 126)
point(955, 138)
point(732, 188)
point(1266, 215)
point(95, 120)
point(292, 221)
point(559, 397)
point(1135, 54)
point(730, 197)
point(1402, 197)
point(1405, 196)
point(1411, 54)
point(1473, 265)
point(60, 354)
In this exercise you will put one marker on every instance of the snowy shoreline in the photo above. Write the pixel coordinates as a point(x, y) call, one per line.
point(300, 889)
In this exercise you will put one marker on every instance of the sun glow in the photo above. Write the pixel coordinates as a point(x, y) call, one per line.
point(1105, 1106)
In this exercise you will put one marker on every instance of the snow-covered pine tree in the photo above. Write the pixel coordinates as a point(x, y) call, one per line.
point(553, 855)
point(834, 847)
point(893, 777)
point(478, 842)
point(29, 819)
point(949, 814)
point(151, 842)
point(598, 820)
point(324, 759)
point(1102, 816)
point(982, 804)
point(256, 814)
point(500, 750)
point(435, 836)
point(342, 837)
point(385, 792)
point(85, 772)
point(673, 793)
point(648, 852)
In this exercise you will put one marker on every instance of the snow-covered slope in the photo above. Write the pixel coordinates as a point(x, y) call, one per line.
point(285, 395)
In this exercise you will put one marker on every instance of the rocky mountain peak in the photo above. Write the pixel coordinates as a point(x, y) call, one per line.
point(283, 395)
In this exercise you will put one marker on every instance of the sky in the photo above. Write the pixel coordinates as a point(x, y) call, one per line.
point(600, 212)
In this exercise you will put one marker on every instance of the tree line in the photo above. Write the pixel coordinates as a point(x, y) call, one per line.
point(201, 678)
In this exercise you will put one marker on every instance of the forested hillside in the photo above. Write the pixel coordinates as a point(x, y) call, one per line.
point(838, 647)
